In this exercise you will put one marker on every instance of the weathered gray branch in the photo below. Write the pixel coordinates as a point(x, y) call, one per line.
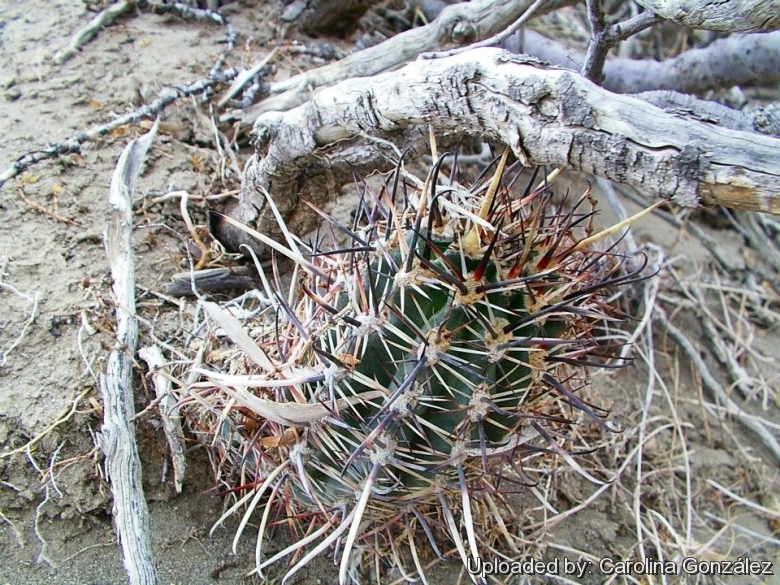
point(736, 60)
point(117, 435)
point(723, 15)
point(547, 116)
point(764, 120)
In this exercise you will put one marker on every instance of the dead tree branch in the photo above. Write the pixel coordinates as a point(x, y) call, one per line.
point(729, 16)
point(117, 435)
point(764, 120)
point(547, 116)
point(736, 60)
point(103, 19)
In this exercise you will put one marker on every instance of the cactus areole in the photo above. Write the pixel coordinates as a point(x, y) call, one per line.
point(404, 374)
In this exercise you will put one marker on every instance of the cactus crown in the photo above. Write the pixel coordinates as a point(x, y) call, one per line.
point(403, 374)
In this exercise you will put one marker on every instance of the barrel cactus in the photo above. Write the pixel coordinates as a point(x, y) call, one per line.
point(412, 360)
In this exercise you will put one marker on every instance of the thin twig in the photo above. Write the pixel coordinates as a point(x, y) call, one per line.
point(759, 509)
point(169, 412)
point(709, 243)
point(63, 417)
point(103, 19)
point(205, 252)
point(37, 206)
point(763, 538)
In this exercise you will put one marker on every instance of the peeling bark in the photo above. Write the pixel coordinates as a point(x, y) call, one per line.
point(547, 116)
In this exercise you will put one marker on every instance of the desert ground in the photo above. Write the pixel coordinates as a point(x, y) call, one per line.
point(684, 478)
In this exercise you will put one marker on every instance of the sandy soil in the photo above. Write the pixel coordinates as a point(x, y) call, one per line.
point(55, 522)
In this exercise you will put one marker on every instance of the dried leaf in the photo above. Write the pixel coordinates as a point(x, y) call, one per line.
point(292, 413)
point(233, 329)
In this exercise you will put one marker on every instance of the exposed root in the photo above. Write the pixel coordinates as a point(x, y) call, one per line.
point(28, 323)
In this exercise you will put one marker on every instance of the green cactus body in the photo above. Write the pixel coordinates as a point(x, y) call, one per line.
point(436, 359)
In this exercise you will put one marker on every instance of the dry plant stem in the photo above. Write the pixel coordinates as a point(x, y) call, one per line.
point(105, 18)
point(246, 76)
point(169, 412)
point(708, 242)
point(762, 538)
point(42, 556)
point(547, 116)
point(715, 389)
point(724, 353)
point(735, 60)
point(730, 16)
point(458, 24)
point(614, 203)
point(205, 253)
point(761, 510)
point(761, 241)
point(117, 436)
point(648, 354)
